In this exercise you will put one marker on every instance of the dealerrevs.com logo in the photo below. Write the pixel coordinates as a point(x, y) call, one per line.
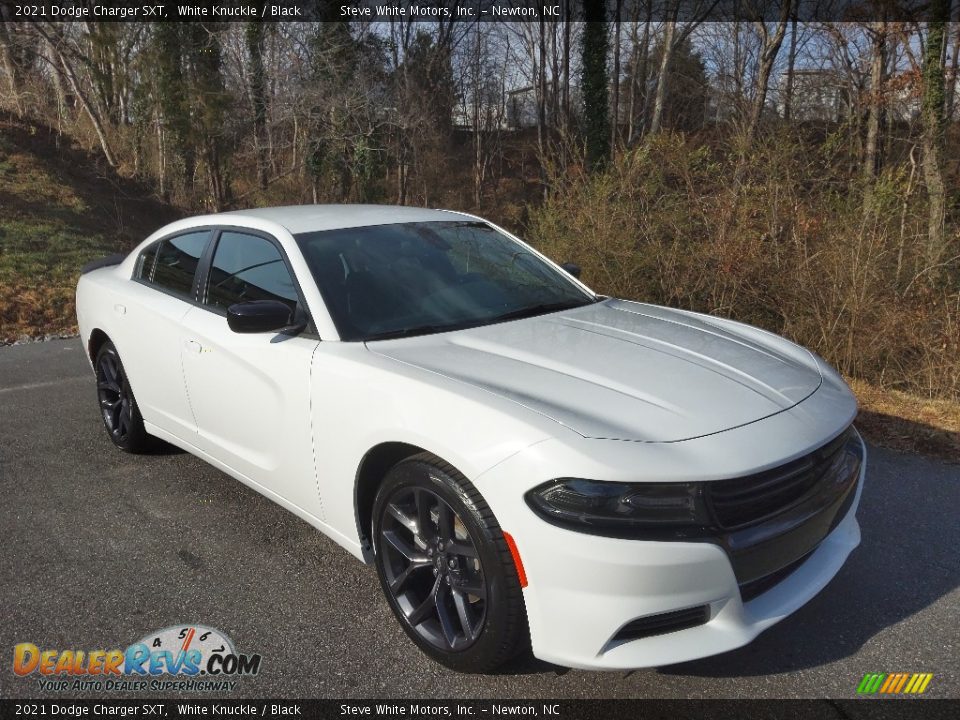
point(187, 658)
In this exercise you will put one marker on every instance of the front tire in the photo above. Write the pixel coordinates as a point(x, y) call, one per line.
point(118, 407)
point(445, 567)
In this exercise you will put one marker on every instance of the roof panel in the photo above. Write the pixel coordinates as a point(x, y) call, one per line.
point(312, 218)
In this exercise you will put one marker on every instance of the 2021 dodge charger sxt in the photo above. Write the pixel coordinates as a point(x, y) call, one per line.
point(618, 484)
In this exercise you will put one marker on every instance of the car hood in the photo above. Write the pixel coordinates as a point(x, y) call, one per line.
point(624, 370)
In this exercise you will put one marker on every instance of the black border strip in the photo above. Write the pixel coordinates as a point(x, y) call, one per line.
point(464, 11)
point(872, 709)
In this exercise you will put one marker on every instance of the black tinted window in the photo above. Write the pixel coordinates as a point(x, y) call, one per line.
point(415, 278)
point(144, 267)
point(175, 262)
point(246, 267)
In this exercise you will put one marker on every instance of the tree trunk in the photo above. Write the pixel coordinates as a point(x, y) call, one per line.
point(933, 131)
point(256, 37)
point(632, 70)
point(662, 80)
point(217, 185)
point(768, 56)
point(402, 167)
point(615, 110)
point(58, 89)
point(542, 88)
point(566, 64)
point(953, 77)
point(878, 65)
point(10, 67)
point(595, 83)
point(85, 104)
point(161, 162)
point(791, 66)
point(640, 82)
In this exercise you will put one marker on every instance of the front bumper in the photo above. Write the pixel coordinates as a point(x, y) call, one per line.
point(584, 589)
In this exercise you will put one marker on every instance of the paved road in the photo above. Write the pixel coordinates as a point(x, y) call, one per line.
point(100, 547)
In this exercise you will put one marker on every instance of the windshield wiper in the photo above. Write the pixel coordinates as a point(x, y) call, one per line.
point(530, 311)
point(541, 309)
point(410, 331)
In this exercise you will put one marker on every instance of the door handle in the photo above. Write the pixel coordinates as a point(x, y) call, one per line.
point(193, 346)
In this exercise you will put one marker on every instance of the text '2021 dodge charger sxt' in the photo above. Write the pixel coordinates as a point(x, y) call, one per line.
point(614, 484)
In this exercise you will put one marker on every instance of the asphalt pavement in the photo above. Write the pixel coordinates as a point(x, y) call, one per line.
point(99, 548)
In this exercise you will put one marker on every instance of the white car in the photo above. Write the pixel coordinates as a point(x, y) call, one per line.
point(616, 484)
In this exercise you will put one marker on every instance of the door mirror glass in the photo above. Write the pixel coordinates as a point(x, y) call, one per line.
point(259, 316)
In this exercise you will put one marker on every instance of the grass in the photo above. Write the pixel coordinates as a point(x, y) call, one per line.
point(39, 266)
point(60, 207)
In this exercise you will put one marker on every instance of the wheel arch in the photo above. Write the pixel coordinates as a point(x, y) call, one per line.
point(373, 468)
point(97, 338)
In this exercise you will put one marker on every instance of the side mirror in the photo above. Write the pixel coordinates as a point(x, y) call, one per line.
point(572, 268)
point(259, 316)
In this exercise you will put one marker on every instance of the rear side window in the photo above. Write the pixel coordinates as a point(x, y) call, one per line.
point(171, 263)
point(248, 267)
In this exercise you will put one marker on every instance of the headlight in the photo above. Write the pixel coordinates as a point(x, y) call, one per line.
point(622, 509)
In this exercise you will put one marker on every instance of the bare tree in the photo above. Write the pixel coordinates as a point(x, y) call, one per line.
point(878, 65)
point(666, 55)
point(791, 65)
point(615, 79)
point(953, 76)
point(256, 36)
point(769, 48)
point(63, 57)
point(10, 68)
point(675, 34)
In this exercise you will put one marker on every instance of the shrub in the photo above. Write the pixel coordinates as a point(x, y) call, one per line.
point(780, 238)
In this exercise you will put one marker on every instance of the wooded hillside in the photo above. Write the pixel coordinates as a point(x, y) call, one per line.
point(799, 175)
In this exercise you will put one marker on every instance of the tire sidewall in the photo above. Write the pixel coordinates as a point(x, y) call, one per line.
point(136, 438)
point(481, 654)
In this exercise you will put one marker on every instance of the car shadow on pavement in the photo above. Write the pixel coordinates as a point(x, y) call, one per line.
point(527, 664)
point(906, 562)
point(906, 435)
point(162, 447)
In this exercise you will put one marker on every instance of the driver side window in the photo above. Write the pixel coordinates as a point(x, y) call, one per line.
point(245, 268)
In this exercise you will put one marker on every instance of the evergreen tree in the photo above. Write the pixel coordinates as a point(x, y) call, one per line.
point(171, 98)
point(595, 81)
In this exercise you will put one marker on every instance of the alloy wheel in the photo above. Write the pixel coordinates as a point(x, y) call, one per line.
point(113, 392)
point(432, 568)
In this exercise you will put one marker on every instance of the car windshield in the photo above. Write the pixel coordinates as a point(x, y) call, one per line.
point(387, 281)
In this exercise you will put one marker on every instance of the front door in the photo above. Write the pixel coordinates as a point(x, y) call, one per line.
point(250, 393)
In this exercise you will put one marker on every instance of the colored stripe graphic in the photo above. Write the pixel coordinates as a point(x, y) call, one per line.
point(894, 683)
point(871, 683)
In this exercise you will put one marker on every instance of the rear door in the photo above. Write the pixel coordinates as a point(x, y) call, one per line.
point(250, 393)
point(161, 293)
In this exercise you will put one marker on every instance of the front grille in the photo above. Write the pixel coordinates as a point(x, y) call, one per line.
point(747, 500)
point(663, 623)
point(750, 590)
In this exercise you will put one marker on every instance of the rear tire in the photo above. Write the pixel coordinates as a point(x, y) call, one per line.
point(445, 567)
point(118, 407)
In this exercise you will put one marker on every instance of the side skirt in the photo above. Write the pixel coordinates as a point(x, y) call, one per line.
point(350, 545)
